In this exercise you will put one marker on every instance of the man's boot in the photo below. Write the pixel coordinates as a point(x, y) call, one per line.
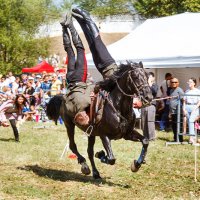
point(66, 38)
point(75, 37)
point(84, 16)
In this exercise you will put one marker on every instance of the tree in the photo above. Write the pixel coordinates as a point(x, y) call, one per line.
point(101, 8)
point(160, 8)
point(19, 22)
point(146, 8)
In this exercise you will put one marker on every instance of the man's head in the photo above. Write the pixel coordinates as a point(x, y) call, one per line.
point(137, 103)
point(54, 77)
point(151, 78)
point(81, 118)
point(168, 76)
point(174, 83)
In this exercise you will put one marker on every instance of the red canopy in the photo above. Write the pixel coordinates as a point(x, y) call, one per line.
point(41, 67)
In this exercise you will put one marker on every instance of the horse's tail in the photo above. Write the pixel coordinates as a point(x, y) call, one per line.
point(53, 108)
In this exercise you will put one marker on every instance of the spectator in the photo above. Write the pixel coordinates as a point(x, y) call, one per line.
point(56, 85)
point(37, 86)
point(64, 86)
point(173, 105)
point(7, 81)
point(11, 77)
point(148, 113)
point(165, 90)
point(46, 84)
point(31, 80)
point(44, 73)
point(21, 87)
point(191, 106)
point(15, 85)
point(29, 95)
point(24, 78)
point(12, 110)
point(2, 82)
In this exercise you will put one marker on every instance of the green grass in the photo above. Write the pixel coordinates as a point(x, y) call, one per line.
point(32, 169)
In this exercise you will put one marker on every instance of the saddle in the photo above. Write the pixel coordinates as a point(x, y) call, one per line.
point(96, 106)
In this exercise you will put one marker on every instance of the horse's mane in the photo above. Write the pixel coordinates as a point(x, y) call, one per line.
point(109, 84)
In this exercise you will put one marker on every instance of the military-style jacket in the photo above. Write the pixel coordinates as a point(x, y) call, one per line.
point(77, 98)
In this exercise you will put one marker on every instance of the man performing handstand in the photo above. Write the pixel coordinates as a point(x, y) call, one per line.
point(78, 95)
point(79, 92)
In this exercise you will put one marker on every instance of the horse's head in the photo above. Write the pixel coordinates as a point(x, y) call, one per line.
point(132, 81)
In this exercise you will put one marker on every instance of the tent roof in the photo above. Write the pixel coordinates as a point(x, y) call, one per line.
point(171, 41)
point(41, 67)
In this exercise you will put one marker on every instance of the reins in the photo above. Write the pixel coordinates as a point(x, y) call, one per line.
point(136, 87)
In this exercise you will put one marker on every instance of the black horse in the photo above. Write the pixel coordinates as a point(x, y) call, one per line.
point(118, 119)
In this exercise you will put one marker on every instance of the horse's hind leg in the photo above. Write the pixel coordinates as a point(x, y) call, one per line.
point(109, 158)
point(135, 136)
point(72, 145)
point(90, 150)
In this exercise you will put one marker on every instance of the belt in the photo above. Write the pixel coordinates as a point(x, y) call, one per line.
point(74, 84)
point(191, 103)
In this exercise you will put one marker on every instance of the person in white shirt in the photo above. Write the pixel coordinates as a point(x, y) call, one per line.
point(191, 105)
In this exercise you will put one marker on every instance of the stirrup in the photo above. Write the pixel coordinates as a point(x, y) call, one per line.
point(89, 130)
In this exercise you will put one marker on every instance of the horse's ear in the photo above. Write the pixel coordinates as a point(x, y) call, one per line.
point(140, 64)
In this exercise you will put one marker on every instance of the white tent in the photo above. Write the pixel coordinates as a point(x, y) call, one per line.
point(172, 41)
point(166, 42)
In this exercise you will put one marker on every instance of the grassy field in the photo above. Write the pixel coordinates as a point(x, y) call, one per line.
point(32, 169)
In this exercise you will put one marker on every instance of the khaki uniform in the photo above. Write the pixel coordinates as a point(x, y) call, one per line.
point(78, 98)
point(108, 71)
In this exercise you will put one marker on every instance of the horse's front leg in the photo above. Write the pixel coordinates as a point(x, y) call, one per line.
point(90, 150)
point(135, 136)
point(109, 158)
point(72, 145)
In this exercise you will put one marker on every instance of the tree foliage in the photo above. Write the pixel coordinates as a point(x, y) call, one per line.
point(160, 8)
point(101, 8)
point(146, 8)
point(19, 22)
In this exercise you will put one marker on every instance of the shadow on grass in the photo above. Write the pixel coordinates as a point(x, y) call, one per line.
point(59, 175)
point(7, 140)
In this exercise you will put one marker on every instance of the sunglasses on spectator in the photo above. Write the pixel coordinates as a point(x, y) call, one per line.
point(174, 82)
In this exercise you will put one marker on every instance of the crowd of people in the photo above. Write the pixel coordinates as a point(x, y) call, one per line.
point(35, 88)
point(176, 106)
point(21, 96)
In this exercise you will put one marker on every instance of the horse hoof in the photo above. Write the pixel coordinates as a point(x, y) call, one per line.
point(134, 166)
point(85, 169)
point(96, 176)
point(111, 161)
point(144, 162)
point(100, 154)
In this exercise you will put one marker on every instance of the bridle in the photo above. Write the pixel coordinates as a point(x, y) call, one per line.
point(137, 88)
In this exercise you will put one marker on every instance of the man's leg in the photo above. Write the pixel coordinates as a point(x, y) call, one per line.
point(70, 53)
point(102, 58)
point(80, 73)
